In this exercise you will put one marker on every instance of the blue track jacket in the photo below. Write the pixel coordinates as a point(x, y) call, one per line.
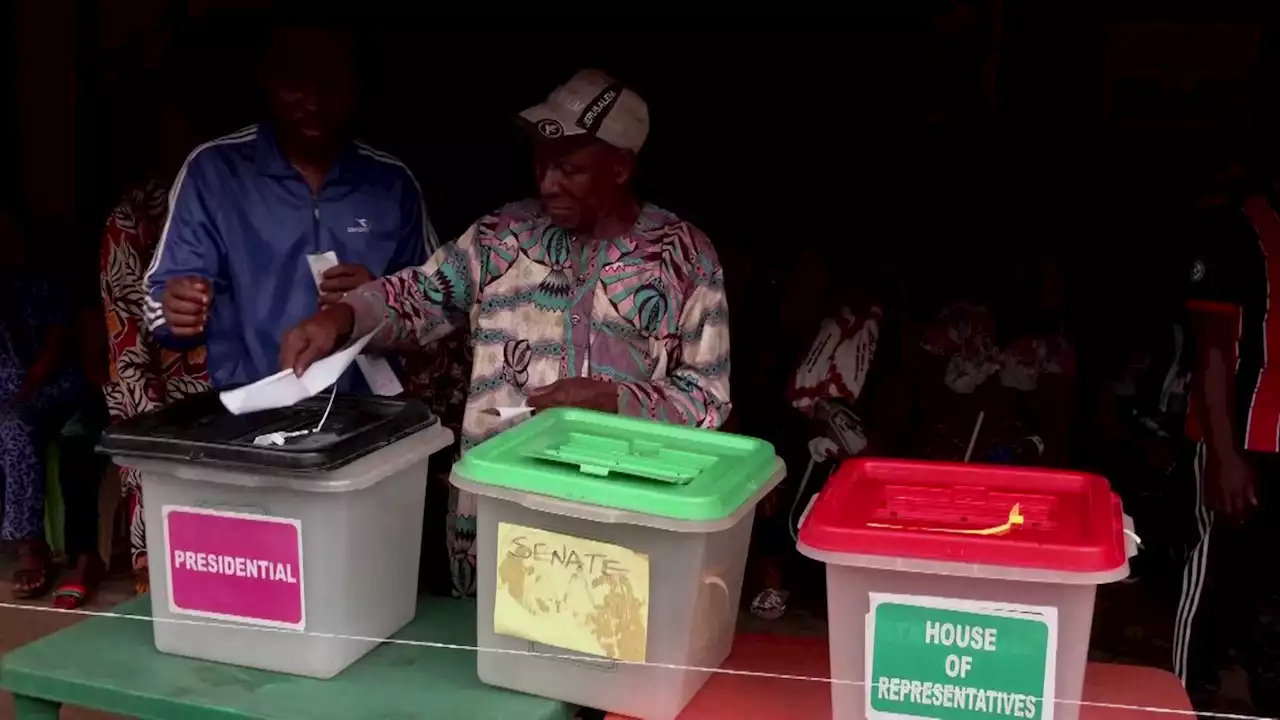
point(241, 217)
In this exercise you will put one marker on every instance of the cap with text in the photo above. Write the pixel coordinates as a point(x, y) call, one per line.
point(593, 104)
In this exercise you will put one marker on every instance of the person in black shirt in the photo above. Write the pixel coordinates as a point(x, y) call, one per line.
point(1234, 418)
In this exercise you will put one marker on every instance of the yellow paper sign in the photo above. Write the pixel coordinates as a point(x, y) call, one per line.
point(572, 593)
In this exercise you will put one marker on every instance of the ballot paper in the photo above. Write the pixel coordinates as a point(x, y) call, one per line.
point(285, 388)
point(508, 411)
point(319, 263)
point(377, 371)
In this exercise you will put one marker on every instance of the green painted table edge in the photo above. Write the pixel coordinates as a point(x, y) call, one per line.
point(111, 664)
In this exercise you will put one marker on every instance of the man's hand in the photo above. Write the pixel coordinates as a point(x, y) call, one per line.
point(186, 303)
point(316, 338)
point(578, 392)
point(340, 280)
point(1231, 484)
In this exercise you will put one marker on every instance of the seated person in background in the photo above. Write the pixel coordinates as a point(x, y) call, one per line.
point(832, 386)
point(79, 468)
point(144, 376)
point(40, 383)
point(587, 297)
point(991, 379)
point(231, 270)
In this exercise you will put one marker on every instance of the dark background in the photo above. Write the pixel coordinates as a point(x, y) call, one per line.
point(950, 137)
point(947, 137)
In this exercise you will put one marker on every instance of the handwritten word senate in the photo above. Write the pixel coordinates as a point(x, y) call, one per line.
point(565, 556)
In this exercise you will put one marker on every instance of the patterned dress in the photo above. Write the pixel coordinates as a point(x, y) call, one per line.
point(645, 310)
point(980, 374)
point(143, 376)
point(30, 305)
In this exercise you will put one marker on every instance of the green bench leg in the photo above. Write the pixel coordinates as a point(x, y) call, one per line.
point(29, 708)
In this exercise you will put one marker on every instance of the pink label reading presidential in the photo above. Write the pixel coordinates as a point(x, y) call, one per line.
point(234, 566)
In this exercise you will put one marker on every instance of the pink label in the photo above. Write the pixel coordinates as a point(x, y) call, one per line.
point(234, 566)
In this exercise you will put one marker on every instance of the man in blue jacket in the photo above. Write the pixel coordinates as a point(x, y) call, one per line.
point(246, 210)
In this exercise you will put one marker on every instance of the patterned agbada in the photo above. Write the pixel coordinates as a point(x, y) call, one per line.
point(143, 375)
point(646, 310)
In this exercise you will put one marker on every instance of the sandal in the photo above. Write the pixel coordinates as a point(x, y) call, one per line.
point(35, 568)
point(73, 593)
point(770, 604)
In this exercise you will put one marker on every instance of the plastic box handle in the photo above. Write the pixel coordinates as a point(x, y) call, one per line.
point(241, 509)
point(1132, 543)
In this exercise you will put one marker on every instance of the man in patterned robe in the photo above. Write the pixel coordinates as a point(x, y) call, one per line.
point(585, 297)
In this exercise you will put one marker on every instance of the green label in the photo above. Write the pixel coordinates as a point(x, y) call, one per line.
point(983, 661)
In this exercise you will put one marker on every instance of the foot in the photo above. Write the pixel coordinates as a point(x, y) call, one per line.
point(82, 579)
point(31, 579)
point(770, 604)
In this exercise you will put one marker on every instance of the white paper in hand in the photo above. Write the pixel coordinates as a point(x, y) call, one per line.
point(284, 388)
point(377, 371)
point(319, 263)
point(508, 411)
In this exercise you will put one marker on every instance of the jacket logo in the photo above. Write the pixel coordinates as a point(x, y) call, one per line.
point(361, 226)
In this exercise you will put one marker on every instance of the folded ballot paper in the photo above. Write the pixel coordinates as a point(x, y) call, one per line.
point(285, 388)
point(376, 371)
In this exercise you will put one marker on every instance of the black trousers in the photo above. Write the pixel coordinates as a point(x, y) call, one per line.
point(80, 475)
point(1230, 599)
point(80, 471)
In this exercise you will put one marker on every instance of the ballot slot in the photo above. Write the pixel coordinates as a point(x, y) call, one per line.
point(963, 507)
point(636, 459)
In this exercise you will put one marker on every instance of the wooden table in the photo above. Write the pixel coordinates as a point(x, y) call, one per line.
point(110, 664)
point(730, 697)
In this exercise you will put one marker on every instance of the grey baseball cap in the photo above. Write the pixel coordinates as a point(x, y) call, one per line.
point(592, 104)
